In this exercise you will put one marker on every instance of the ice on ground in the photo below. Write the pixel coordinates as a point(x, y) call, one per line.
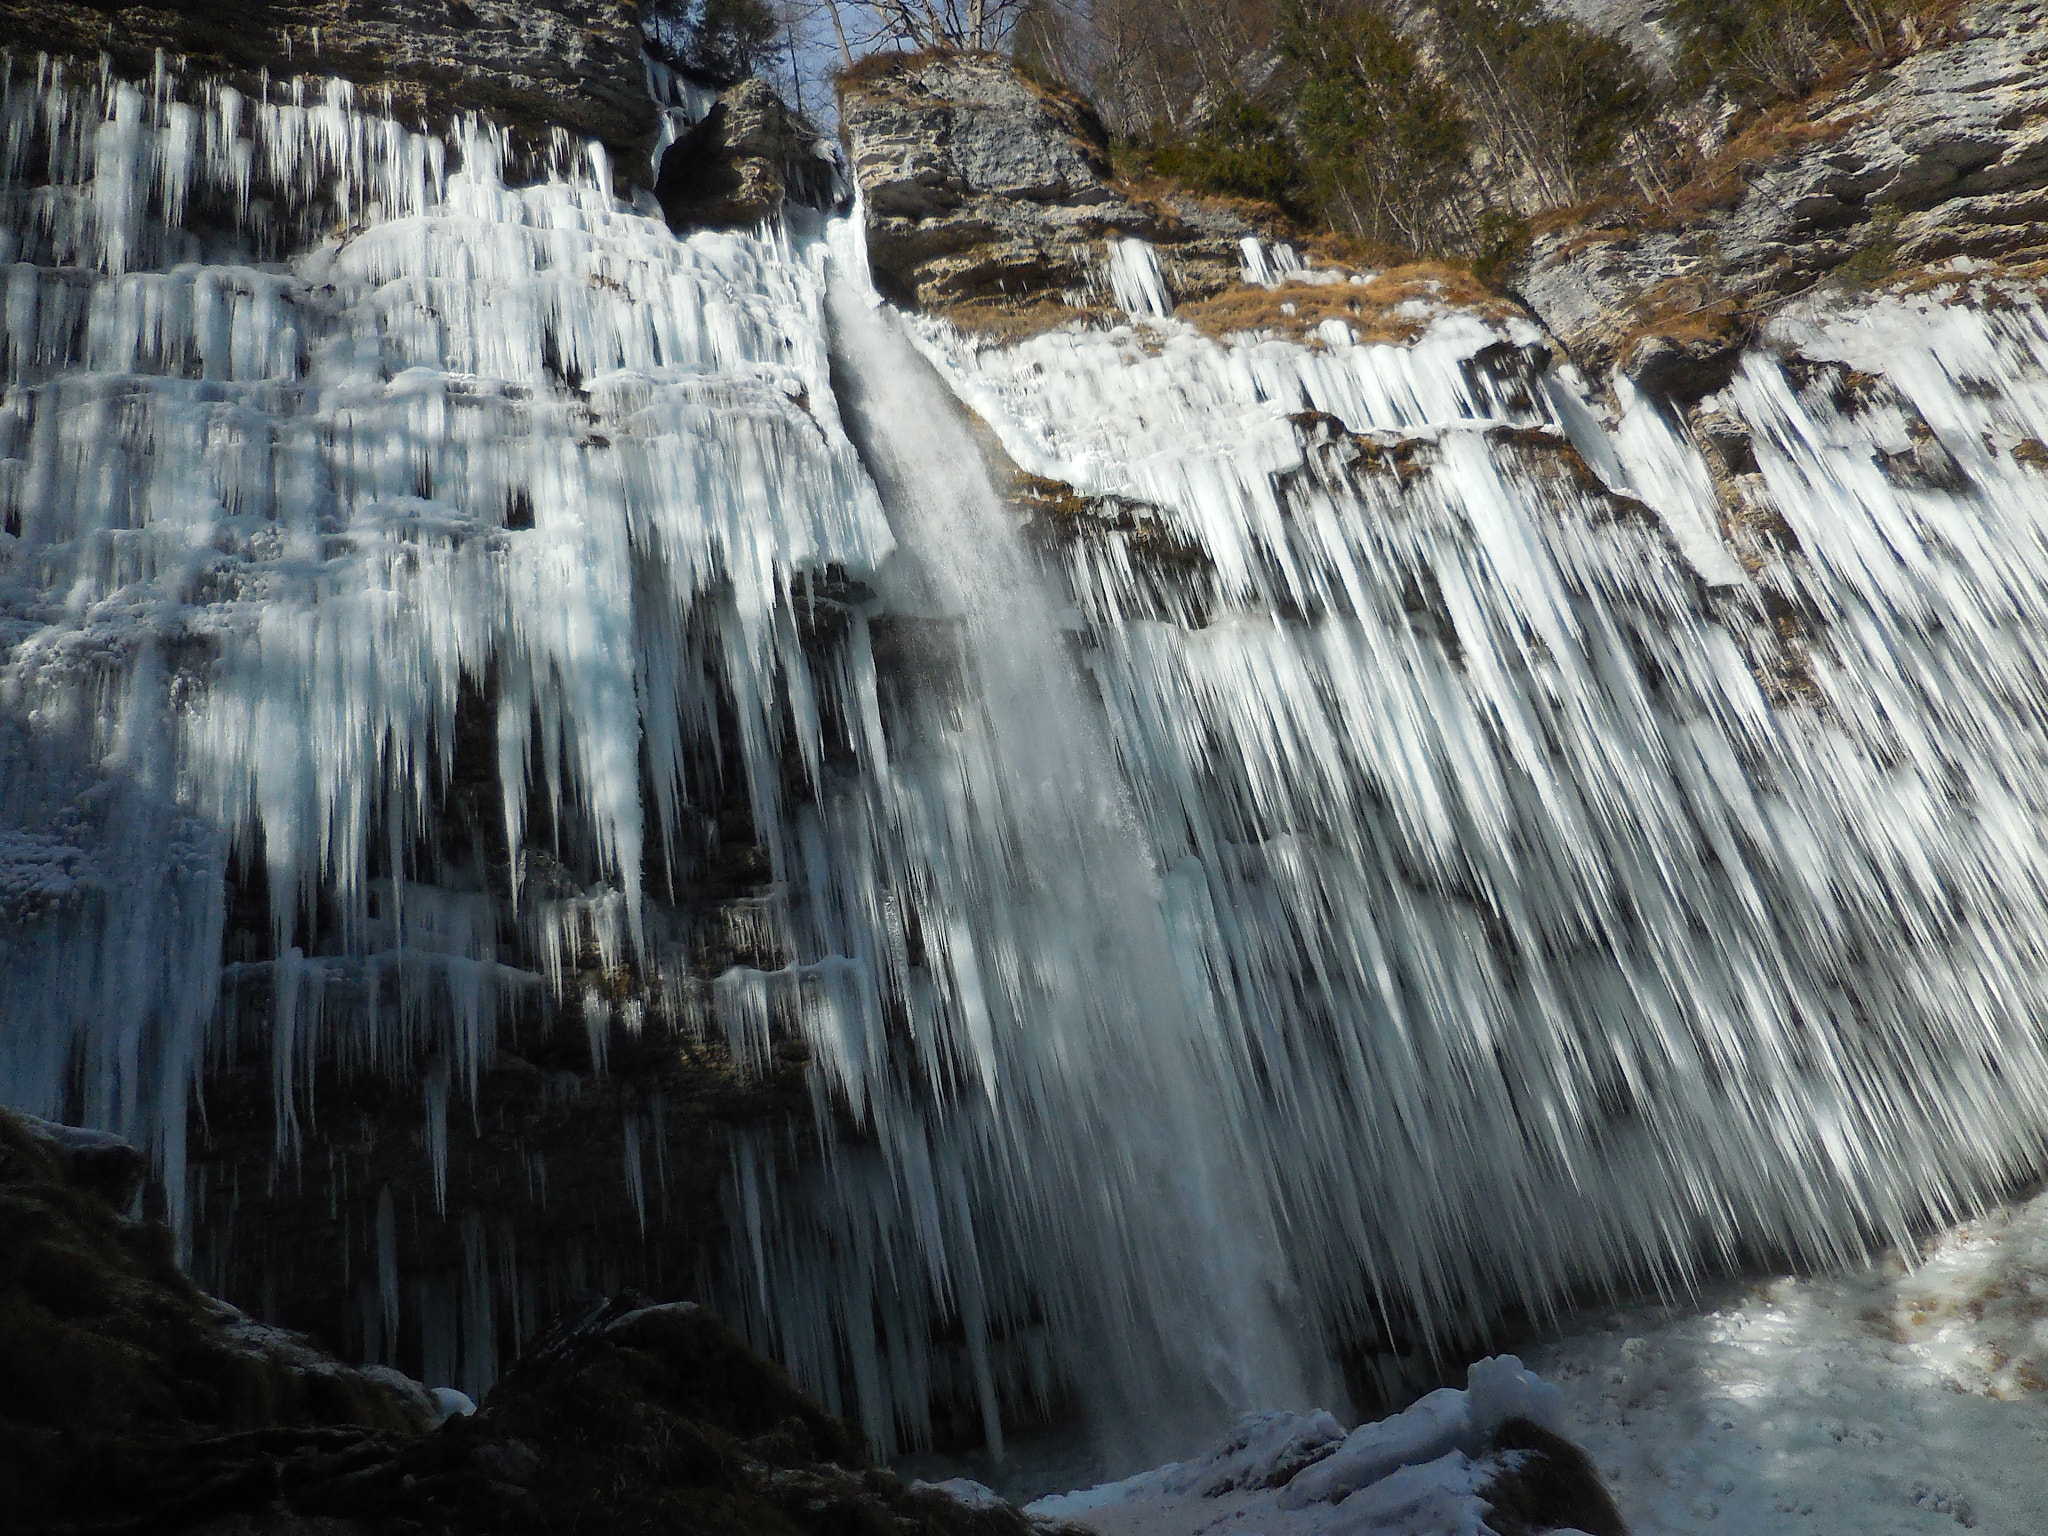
point(1444, 1421)
point(1881, 1402)
point(1423, 1470)
point(451, 1404)
point(963, 1490)
point(1891, 1400)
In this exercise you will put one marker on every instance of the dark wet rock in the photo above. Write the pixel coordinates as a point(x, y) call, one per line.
point(114, 1366)
point(748, 157)
point(1169, 575)
point(1924, 464)
point(1685, 367)
point(1554, 1486)
point(131, 1404)
point(537, 1205)
point(1506, 379)
point(96, 1161)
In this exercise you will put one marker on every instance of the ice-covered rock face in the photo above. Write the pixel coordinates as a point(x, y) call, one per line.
point(1944, 155)
point(1585, 892)
point(280, 532)
point(1484, 848)
point(536, 65)
point(265, 524)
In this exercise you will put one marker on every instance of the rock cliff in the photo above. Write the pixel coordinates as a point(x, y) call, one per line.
point(986, 189)
point(1943, 156)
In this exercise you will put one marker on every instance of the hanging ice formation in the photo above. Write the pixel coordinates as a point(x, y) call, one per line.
point(1481, 854)
point(265, 525)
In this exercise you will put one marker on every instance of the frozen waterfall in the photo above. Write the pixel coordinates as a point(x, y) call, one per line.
point(1416, 847)
point(1030, 1036)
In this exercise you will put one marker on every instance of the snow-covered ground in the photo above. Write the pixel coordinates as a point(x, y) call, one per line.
point(1891, 1401)
point(1885, 1401)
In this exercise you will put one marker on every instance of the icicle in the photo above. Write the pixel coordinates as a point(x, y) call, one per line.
point(1256, 268)
point(1136, 280)
point(387, 1273)
point(632, 1130)
point(1500, 853)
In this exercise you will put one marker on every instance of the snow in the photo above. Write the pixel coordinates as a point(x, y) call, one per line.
point(69, 1138)
point(451, 1404)
point(1891, 1399)
point(1877, 1402)
point(963, 1490)
point(1420, 1472)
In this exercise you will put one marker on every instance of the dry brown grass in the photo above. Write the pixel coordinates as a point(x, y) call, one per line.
point(1294, 310)
point(1612, 211)
point(1006, 324)
point(1163, 198)
point(1718, 183)
point(1586, 239)
point(873, 68)
point(1770, 141)
point(1688, 309)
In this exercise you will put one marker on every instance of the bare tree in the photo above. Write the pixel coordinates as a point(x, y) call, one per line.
point(855, 27)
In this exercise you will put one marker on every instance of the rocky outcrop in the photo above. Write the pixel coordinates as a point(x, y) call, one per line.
point(1944, 155)
point(985, 188)
point(112, 1364)
point(530, 64)
point(1641, 25)
point(743, 161)
point(130, 1402)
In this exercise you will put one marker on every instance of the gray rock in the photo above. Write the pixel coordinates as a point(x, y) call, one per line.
point(983, 186)
point(1637, 23)
point(1946, 154)
point(99, 1161)
point(749, 156)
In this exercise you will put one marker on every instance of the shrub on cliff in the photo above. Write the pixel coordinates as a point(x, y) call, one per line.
point(1426, 128)
point(1241, 149)
point(1383, 142)
point(1559, 102)
point(1760, 51)
point(722, 40)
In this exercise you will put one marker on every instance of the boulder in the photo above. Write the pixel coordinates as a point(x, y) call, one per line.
point(113, 1365)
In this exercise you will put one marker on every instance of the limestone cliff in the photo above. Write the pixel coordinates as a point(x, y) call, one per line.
point(1943, 156)
point(985, 188)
